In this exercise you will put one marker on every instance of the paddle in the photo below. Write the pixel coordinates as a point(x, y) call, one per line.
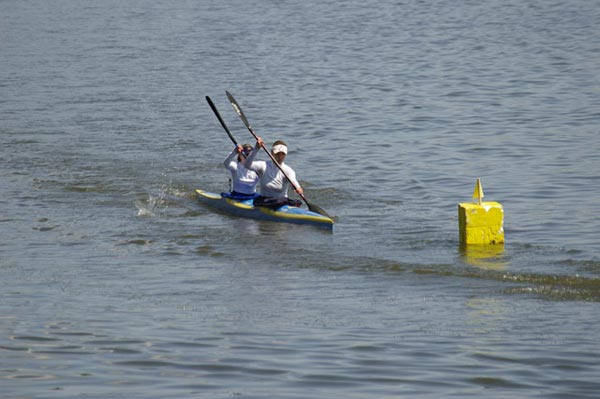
point(240, 113)
point(212, 106)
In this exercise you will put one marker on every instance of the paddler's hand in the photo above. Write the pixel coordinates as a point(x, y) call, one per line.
point(299, 191)
point(259, 142)
point(239, 149)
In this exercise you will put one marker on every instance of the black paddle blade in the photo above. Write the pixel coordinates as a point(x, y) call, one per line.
point(238, 109)
point(218, 115)
point(317, 209)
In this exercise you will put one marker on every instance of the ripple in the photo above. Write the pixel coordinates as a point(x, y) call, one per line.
point(14, 348)
point(120, 351)
point(100, 342)
point(106, 135)
point(34, 338)
point(24, 375)
point(494, 382)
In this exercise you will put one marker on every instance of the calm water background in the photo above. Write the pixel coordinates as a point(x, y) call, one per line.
point(114, 282)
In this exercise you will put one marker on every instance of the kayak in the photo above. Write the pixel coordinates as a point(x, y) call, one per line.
point(245, 208)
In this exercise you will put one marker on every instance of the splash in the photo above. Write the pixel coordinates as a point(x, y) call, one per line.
point(157, 205)
point(152, 206)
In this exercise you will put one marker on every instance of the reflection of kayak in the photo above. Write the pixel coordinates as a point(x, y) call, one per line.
point(245, 208)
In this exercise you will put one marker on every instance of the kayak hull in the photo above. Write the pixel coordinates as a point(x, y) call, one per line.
point(286, 214)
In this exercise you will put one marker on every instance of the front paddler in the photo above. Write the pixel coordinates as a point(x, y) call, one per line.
point(273, 183)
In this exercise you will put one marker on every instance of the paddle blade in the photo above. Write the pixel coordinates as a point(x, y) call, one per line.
point(238, 110)
point(317, 209)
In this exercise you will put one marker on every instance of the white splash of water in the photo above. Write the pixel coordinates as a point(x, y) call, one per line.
point(151, 207)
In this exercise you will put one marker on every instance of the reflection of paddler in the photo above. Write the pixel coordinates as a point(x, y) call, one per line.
point(487, 257)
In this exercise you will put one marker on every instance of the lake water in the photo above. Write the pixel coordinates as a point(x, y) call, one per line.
point(116, 282)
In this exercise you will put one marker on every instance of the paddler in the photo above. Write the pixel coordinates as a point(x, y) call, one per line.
point(273, 183)
point(244, 180)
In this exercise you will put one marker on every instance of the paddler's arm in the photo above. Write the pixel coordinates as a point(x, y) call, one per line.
point(292, 175)
point(250, 160)
point(229, 162)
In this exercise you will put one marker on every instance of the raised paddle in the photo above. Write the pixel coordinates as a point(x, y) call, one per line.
point(239, 111)
point(212, 106)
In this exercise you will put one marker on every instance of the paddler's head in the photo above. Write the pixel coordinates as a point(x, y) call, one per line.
point(246, 149)
point(279, 150)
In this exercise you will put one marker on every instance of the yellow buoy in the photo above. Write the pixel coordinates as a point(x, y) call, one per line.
point(481, 222)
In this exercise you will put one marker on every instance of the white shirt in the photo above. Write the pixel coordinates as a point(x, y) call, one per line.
point(273, 182)
point(244, 180)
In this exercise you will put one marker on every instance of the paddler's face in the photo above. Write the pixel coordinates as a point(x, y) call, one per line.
point(244, 154)
point(280, 157)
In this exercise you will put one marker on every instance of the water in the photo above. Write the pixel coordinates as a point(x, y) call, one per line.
point(115, 282)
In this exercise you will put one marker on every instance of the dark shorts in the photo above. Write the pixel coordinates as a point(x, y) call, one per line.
point(239, 196)
point(275, 202)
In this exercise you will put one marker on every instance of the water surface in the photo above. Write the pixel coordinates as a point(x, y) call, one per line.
point(116, 282)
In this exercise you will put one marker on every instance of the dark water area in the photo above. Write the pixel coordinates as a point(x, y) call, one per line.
point(116, 282)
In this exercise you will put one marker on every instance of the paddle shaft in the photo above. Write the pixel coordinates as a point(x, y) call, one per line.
point(238, 110)
point(214, 108)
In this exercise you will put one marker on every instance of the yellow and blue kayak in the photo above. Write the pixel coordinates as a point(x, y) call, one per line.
point(245, 208)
